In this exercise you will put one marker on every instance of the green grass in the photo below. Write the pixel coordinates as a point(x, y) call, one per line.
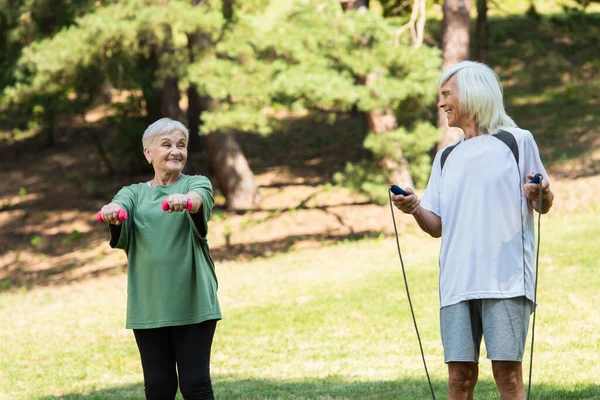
point(331, 323)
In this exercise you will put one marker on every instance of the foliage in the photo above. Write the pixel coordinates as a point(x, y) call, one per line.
point(312, 55)
point(296, 55)
point(414, 144)
point(365, 177)
point(395, 8)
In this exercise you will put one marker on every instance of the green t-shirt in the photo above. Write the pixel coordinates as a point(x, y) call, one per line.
point(171, 276)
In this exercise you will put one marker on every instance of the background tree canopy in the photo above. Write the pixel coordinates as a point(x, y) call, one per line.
point(246, 60)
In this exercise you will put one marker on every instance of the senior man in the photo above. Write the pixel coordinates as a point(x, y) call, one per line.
point(479, 201)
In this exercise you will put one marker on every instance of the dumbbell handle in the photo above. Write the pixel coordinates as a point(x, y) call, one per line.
point(122, 215)
point(165, 205)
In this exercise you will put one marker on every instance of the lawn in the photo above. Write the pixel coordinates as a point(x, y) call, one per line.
point(329, 323)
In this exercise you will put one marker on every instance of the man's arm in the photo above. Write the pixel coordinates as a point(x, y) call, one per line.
point(429, 222)
point(410, 204)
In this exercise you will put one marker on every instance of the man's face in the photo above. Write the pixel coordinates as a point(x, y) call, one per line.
point(168, 152)
point(450, 103)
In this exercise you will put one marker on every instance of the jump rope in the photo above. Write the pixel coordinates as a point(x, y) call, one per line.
point(537, 179)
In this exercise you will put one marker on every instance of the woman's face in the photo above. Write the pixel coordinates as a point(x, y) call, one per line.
point(168, 152)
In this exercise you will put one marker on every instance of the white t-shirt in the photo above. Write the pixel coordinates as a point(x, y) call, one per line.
point(488, 232)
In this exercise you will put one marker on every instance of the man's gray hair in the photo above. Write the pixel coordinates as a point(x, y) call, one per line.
point(480, 94)
point(163, 126)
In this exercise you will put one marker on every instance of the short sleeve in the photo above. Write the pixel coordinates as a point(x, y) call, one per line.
point(201, 185)
point(531, 161)
point(119, 235)
point(431, 198)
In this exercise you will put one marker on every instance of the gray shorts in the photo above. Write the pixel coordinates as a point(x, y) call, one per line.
point(502, 322)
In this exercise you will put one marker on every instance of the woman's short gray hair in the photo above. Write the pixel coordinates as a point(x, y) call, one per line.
point(163, 126)
point(480, 94)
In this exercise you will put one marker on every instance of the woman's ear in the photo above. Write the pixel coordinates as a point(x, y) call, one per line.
point(147, 155)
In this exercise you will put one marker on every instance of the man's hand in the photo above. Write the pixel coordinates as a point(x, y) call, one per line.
point(408, 204)
point(532, 192)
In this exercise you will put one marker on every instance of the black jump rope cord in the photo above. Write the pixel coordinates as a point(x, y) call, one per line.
point(408, 296)
point(537, 256)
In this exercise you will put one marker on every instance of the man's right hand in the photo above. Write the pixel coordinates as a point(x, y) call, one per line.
point(408, 204)
point(110, 213)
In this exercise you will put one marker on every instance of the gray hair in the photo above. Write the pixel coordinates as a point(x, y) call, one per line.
point(480, 94)
point(163, 126)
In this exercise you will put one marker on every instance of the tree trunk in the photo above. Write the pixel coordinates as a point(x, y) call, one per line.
point(455, 48)
point(234, 176)
point(169, 99)
point(481, 31)
point(383, 121)
point(169, 94)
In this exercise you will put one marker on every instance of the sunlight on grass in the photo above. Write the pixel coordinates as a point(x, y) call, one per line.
point(330, 323)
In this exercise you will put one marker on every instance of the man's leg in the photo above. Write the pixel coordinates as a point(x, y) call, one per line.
point(505, 324)
point(461, 336)
point(462, 377)
point(509, 379)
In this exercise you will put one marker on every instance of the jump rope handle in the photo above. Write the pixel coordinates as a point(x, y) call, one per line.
point(122, 215)
point(165, 205)
point(536, 178)
point(397, 190)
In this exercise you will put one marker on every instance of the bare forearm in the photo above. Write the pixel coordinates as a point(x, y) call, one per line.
point(429, 222)
point(196, 201)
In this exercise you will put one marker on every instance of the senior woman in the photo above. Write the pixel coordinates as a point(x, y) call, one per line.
point(172, 303)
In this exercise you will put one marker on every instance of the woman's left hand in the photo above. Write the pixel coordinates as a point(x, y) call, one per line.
point(177, 202)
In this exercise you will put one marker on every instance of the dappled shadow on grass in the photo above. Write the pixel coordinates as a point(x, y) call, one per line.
point(251, 250)
point(340, 388)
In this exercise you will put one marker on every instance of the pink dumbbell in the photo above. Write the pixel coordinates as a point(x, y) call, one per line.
point(122, 215)
point(165, 205)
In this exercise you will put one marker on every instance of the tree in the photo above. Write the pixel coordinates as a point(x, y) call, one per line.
point(22, 23)
point(229, 164)
point(481, 31)
point(455, 48)
point(251, 57)
point(136, 38)
point(382, 119)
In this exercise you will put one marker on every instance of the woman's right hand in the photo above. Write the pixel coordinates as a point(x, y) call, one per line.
point(408, 204)
point(110, 213)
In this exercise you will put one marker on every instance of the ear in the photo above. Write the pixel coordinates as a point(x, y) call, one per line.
point(147, 155)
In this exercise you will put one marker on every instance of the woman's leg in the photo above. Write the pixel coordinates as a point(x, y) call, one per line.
point(192, 348)
point(158, 362)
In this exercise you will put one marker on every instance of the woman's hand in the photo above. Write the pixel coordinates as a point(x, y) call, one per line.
point(177, 202)
point(110, 213)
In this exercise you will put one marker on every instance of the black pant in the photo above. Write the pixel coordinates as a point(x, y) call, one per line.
point(188, 347)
